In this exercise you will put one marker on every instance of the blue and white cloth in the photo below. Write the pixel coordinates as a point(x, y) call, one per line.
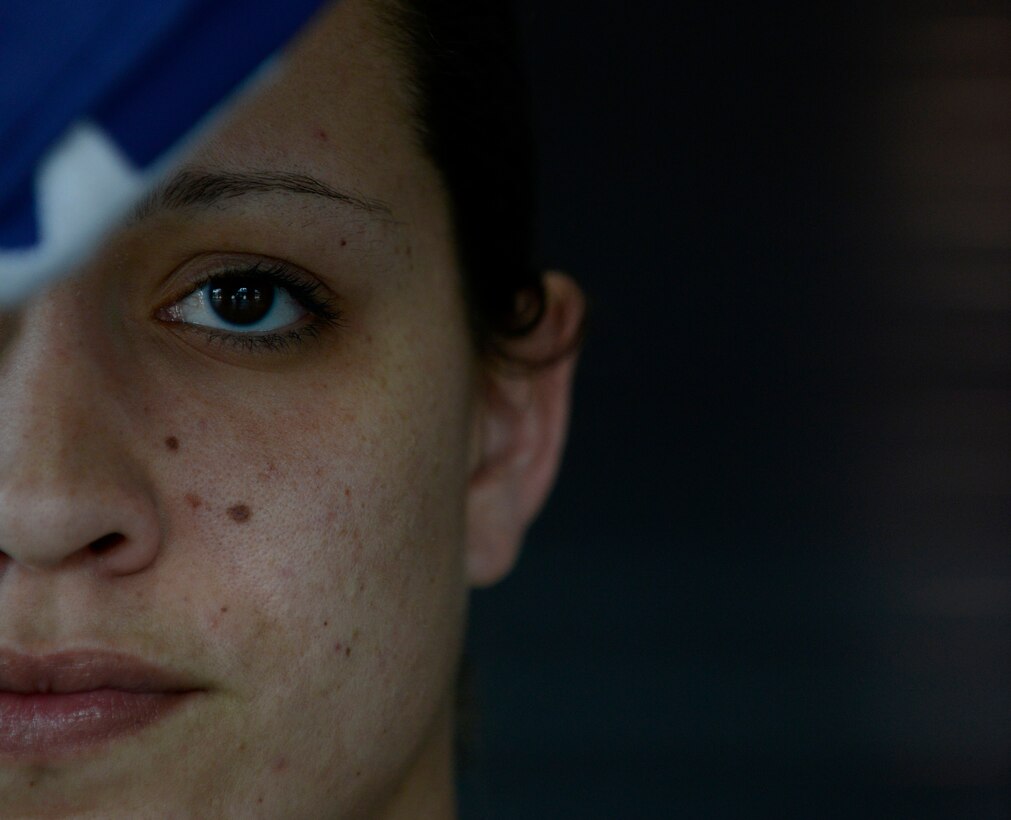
point(97, 98)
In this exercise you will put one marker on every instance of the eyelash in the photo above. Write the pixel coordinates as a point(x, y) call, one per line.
point(308, 293)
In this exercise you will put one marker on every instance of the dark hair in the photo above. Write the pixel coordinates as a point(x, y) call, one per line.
point(471, 106)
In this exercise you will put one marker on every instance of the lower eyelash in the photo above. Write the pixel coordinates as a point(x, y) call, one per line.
point(270, 342)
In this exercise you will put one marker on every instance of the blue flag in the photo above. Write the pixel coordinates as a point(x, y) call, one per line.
point(98, 98)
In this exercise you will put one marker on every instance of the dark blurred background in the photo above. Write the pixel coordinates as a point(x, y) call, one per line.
point(775, 578)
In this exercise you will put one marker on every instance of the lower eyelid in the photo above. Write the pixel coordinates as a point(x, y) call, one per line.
point(269, 342)
point(285, 340)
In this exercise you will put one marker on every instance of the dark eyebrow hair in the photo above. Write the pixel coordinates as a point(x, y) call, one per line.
point(204, 188)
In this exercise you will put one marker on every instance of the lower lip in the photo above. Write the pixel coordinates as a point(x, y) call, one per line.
point(45, 726)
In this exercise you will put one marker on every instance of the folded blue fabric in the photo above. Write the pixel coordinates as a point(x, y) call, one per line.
point(140, 74)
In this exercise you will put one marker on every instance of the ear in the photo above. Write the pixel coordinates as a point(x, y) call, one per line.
point(521, 421)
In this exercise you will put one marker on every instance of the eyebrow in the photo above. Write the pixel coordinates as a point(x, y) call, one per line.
point(188, 188)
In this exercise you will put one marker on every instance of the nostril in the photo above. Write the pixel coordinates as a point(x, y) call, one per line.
point(106, 542)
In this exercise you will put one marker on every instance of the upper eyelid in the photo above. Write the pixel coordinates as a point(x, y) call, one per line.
point(174, 291)
point(266, 267)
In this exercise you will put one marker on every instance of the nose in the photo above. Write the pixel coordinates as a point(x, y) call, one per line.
point(69, 489)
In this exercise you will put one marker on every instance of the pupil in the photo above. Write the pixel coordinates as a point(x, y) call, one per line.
point(242, 301)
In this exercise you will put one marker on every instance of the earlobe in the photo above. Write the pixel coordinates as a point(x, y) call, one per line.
point(521, 424)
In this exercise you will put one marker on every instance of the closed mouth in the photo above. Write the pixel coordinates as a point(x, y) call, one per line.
point(60, 704)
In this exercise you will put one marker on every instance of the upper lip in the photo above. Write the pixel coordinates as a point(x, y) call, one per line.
point(85, 671)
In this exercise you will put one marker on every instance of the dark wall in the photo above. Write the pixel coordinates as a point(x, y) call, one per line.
point(775, 578)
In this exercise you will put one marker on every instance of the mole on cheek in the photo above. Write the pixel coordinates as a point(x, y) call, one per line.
point(172, 443)
point(240, 513)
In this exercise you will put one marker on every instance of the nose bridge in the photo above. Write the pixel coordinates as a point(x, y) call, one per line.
point(47, 410)
point(67, 482)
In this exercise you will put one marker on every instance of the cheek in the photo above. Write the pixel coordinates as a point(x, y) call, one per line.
point(280, 502)
point(320, 554)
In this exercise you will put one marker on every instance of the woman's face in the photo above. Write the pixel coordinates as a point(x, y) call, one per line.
point(269, 502)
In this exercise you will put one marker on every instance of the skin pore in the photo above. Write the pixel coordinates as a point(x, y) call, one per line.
point(289, 518)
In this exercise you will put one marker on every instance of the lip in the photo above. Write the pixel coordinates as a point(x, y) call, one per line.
point(56, 705)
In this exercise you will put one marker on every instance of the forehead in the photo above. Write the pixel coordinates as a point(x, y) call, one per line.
point(332, 107)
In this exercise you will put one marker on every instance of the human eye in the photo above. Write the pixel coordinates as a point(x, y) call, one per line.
point(254, 306)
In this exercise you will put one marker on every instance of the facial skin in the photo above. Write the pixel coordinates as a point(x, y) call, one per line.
point(300, 526)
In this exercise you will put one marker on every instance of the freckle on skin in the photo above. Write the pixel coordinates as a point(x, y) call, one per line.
point(344, 243)
point(338, 647)
point(224, 609)
point(172, 443)
point(195, 501)
point(280, 764)
point(347, 652)
point(240, 513)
